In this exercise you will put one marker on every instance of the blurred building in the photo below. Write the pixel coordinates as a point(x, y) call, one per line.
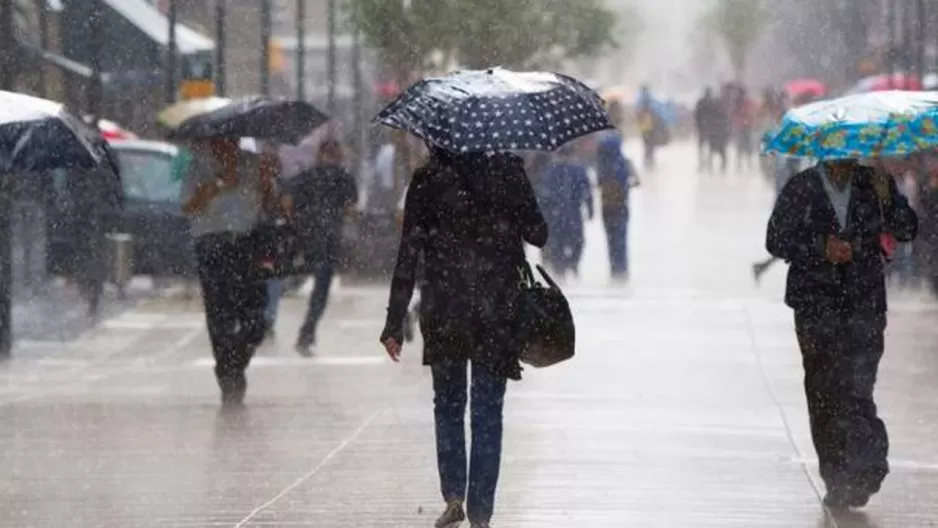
point(128, 41)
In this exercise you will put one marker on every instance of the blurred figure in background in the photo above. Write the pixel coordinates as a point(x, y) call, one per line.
point(648, 124)
point(566, 191)
point(743, 114)
point(97, 197)
point(719, 131)
point(615, 176)
point(321, 198)
point(704, 120)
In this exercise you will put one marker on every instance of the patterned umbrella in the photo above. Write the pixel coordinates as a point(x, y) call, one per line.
point(38, 135)
point(497, 109)
point(869, 125)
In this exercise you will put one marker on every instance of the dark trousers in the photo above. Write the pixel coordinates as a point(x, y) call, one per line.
point(648, 140)
point(322, 284)
point(617, 232)
point(841, 357)
point(717, 149)
point(450, 388)
point(234, 299)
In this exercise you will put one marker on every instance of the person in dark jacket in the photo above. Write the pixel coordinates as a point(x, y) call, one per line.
point(98, 198)
point(468, 216)
point(321, 198)
point(828, 224)
point(703, 118)
point(616, 176)
point(566, 190)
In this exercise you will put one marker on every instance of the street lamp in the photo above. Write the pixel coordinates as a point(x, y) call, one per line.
point(220, 74)
point(301, 50)
point(171, 55)
point(265, 47)
point(331, 55)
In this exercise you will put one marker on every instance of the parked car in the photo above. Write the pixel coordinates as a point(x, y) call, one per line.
point(152, 215)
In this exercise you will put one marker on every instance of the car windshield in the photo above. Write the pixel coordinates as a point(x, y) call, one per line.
point(148, 175)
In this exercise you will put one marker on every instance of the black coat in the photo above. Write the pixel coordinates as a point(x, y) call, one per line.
point(321, 197)
point(801, 221)
point(468, 216)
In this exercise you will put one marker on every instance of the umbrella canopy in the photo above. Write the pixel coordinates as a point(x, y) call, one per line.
point(497, 109)
point(887, 82)
point(39, 135)
point(870, 125)
point(800, 88)
point(173, 116)
point(284, 121)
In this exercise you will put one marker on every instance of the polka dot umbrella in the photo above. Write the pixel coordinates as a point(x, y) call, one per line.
point(497, 110)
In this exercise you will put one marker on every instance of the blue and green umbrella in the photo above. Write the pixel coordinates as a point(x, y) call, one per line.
point(868, 125)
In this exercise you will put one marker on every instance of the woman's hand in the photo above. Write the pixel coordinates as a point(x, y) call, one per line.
point(393, 348)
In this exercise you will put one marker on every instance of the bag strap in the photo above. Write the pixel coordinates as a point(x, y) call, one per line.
point(547, 278)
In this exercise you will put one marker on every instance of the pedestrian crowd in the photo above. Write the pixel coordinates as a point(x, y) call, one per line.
point(844, 214)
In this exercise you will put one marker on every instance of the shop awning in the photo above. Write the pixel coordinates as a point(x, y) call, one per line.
point(65, 64)
point(155, 25)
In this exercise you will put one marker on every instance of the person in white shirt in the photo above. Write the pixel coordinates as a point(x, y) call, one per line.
point(223, 193)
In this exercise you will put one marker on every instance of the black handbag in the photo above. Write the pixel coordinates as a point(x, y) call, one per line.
point(280, 252)
point(546, 322)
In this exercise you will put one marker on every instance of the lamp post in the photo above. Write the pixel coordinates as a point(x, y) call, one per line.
point(301, 50)
point(220, 56)
point(265, 48)
point(7, 79)
point(331, 66)
point(171, 54)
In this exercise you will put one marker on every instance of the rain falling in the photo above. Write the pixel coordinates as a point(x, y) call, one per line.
point(468, 263)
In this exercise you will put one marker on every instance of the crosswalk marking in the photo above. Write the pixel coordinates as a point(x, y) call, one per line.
point(286, 361)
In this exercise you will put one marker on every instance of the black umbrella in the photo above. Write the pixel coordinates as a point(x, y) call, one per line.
point(497, 109)
point(284, 121)
point(38, 135)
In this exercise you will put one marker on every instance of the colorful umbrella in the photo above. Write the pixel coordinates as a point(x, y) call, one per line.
point(869, 125)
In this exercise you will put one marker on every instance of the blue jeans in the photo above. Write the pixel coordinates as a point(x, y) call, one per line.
point(617, 234)
point(322, 283)
point(274, 293)
point(449, 409)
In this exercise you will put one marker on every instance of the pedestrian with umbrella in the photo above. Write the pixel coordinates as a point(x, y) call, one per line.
point(468, 212)
point(37, 136)
point(227, 192)
point(836, 224)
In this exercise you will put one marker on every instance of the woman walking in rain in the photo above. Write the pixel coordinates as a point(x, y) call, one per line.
point(224, 193)
point(468, 216)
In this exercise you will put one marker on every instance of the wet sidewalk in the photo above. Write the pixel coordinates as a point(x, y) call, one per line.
point(683, 407)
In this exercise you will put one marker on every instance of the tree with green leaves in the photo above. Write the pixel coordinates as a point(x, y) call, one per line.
point(739, 24)
point(482, 33)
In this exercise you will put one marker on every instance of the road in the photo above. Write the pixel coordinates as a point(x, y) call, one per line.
point(683, 406)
